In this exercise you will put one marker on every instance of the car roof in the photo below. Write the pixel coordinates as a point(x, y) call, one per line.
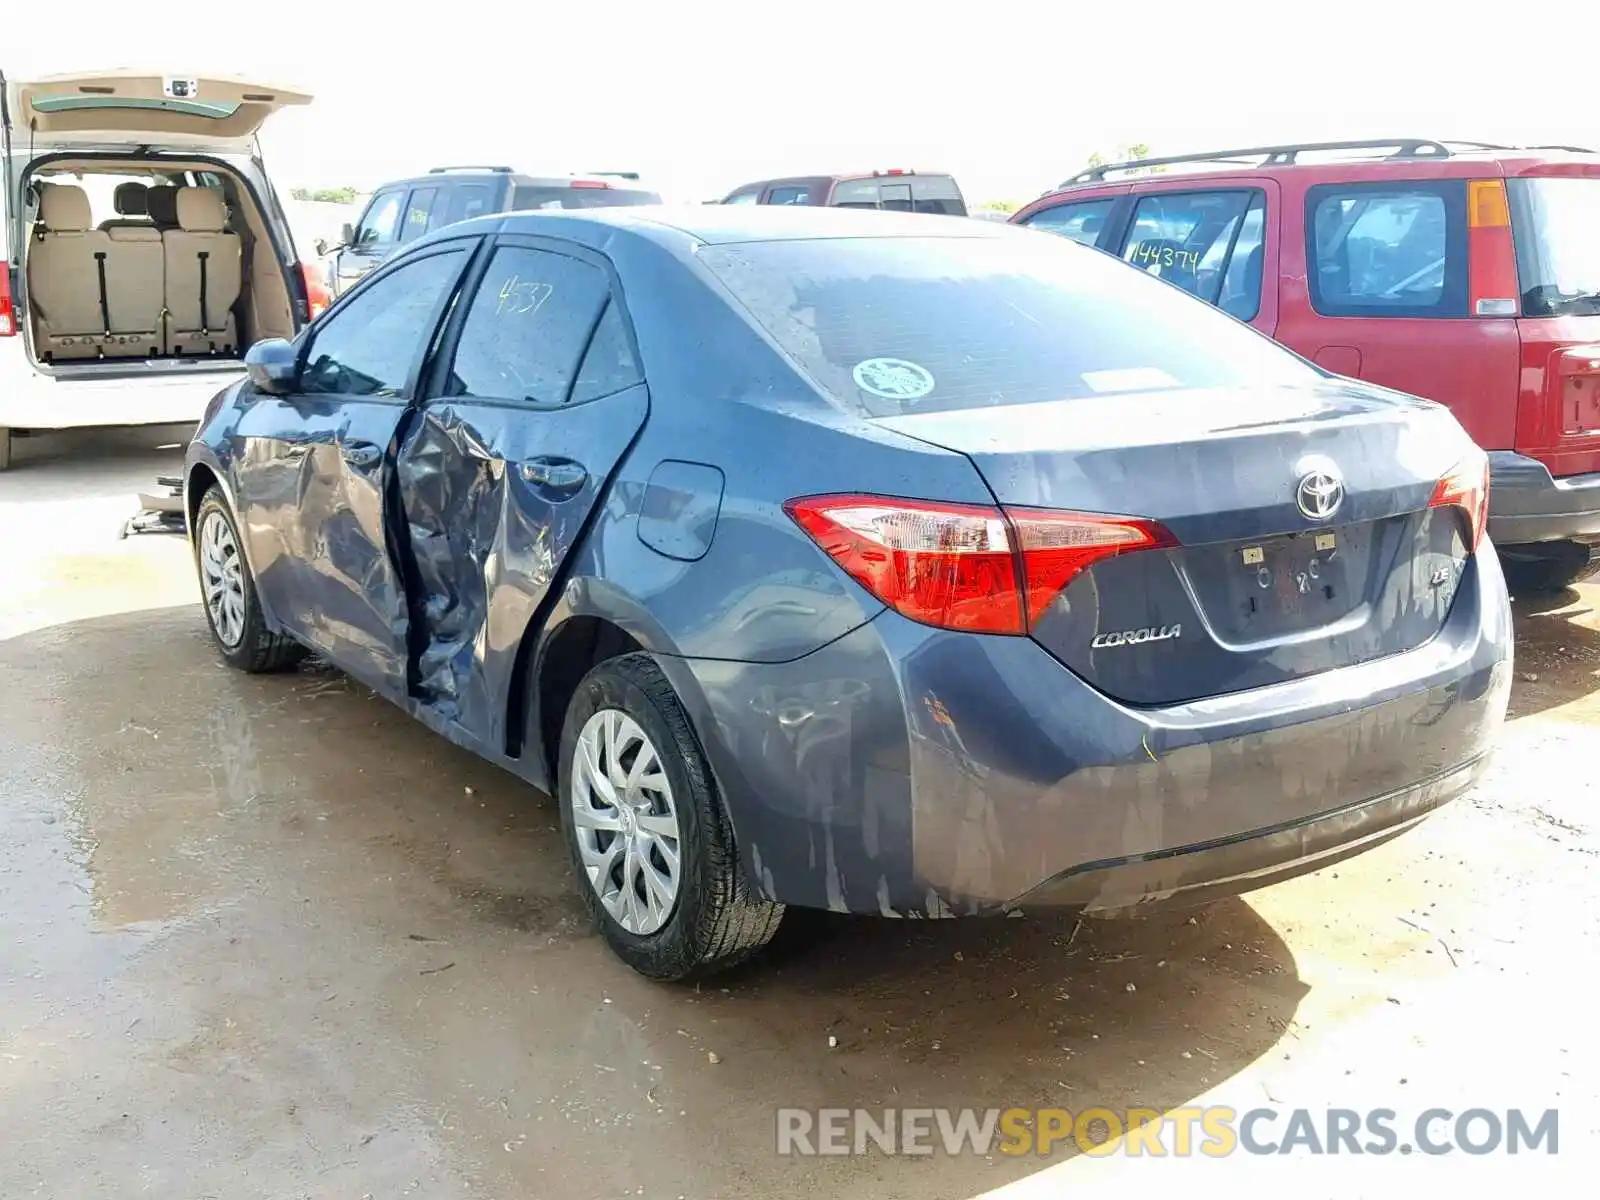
point(516, 179)
point(715, 224)
point(1346, 162)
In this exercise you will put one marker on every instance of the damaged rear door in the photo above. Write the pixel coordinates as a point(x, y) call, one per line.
point(534, 398)
point(314, 468)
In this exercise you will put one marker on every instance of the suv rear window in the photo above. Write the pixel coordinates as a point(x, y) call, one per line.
point(1554, 223)
point(887, 326)
point(571, 197)
point(1395, 250)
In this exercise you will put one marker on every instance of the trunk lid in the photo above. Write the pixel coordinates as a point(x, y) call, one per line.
point(216, 113)
point(1306, 539)
point(1553, 219)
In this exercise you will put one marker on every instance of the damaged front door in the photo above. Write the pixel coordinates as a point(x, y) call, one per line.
point(316, 466)
point(535, 398)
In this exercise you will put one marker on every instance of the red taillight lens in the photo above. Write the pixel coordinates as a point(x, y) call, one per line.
point(965, 566)
point(1466, 486)
point(1491, 258)
point(8, 310)
point(590, 183)
point(317, 296)
point(1057, 546)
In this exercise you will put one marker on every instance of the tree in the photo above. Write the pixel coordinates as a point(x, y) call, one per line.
point(1126, 153)
point(1005, 206)
point(340, 195)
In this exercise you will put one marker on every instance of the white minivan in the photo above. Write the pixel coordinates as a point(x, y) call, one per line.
point(145, 248)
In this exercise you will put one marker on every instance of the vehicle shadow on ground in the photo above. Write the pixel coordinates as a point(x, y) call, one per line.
point(349, 851)
point(1557, 650)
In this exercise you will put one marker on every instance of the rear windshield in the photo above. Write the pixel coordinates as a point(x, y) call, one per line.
point(888, 326)
point(1555, 223)
point(901, 193)
point(571, 197)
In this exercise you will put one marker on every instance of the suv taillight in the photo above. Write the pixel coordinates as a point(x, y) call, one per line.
point(8, 310)
point(1466, 486)
point(1491, 258)
point(966, 566)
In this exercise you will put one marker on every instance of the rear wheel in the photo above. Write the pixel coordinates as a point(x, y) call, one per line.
point(1545, 566)
point(644, 825)
point(228, 592)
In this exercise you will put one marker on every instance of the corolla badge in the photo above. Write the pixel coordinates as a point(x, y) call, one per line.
point(1135, 637)
point(1319, 494)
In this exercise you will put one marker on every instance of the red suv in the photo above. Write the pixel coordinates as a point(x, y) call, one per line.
point(1463, 272)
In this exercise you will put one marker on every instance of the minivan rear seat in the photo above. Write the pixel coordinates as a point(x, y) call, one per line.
point(104, 292)
point(94, 292)
point(204, 275)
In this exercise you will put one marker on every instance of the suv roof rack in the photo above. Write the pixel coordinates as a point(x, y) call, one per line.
point(1277, 156)
point(634, 175)
point(470, 167)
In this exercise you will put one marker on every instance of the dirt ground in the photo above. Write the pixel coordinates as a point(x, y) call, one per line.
point(266, 937)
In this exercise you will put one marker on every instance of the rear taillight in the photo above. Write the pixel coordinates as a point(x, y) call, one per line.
point(965, 566)
point(590, 183)
point(1491, 257)
point(1466, 486)
point(318, 297)
point(8, 310)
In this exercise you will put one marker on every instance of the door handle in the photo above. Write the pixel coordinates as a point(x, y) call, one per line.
point(361, 454)
point(553, 474)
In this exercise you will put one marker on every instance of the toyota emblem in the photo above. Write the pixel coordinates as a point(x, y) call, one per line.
point(1320, 494)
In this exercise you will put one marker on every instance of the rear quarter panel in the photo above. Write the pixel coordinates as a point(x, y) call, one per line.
point(1470, 364)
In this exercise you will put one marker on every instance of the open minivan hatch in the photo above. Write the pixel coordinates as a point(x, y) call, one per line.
point(143, 235)
point(217, 113)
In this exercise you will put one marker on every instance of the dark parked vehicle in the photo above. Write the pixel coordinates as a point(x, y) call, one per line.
point(1459, 271)
point(893, 190)
point(862, 562)
point(407, 209)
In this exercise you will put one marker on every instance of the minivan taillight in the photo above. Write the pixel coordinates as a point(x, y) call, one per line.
point(8, 310)
point(966, 566)
point(1466, 486)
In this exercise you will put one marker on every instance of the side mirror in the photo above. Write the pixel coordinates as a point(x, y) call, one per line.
point(270, 364)
point(347, 234)
point(321, 247)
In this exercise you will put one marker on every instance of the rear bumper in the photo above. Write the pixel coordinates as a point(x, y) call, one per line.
point(913, 772)
point(1527, 504)
point(31, 400)
point(1229, 866)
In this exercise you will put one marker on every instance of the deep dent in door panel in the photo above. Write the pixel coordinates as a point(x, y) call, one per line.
point(483, 545)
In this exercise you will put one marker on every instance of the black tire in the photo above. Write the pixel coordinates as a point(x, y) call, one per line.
point(1545, 566)
point(258, 650)
point(715, 922)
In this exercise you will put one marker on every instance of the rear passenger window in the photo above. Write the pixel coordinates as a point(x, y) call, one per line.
point(469, 200)
point(1388, 251)
point(367, 346)
point(527, 327)
point(419, 211)
point(1081, 223)
point(1191, 238)
point(790, 195)
point(609, 365)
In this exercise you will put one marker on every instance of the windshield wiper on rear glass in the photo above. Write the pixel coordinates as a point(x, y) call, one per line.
point(1547, 300)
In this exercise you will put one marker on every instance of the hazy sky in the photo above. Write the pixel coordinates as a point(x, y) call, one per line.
point(705, 94)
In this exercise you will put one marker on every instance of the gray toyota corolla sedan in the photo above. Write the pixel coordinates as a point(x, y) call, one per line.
point(900, 565)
